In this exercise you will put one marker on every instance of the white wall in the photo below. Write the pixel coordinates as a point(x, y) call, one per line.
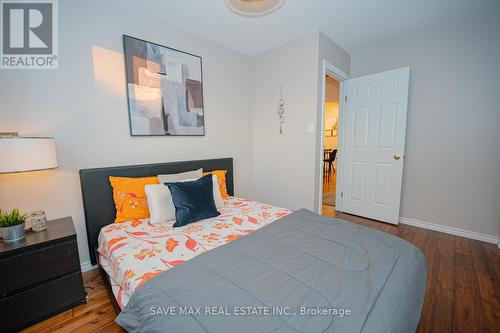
point(83, 105)
point(452, 164)
point(285, 166)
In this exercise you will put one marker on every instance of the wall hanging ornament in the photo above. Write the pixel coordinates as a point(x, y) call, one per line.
point(281, 111)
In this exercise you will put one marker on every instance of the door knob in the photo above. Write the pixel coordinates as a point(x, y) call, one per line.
point(397, 157)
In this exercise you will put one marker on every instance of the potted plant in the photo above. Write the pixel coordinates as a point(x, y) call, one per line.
point(12, 225)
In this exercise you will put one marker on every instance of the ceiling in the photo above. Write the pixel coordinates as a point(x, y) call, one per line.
point(352, 24)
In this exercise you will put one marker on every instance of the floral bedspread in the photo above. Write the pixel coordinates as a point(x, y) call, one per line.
point(136, 251)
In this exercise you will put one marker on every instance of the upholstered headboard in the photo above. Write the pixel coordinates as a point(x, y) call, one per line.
point(97, 193)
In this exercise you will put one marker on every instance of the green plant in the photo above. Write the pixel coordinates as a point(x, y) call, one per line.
point(12, 218)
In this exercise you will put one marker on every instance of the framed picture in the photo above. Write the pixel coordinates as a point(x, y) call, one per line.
point(164, 90)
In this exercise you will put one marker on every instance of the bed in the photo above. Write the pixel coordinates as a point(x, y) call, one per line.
point(260, 267)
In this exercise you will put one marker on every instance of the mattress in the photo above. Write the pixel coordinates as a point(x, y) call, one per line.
point(301, 273)
point(133, 252)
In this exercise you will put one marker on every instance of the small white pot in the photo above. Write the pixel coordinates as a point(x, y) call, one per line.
point(14, 233)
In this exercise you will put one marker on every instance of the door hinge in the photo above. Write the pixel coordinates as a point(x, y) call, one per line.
point(346, 98)
point(341, 194)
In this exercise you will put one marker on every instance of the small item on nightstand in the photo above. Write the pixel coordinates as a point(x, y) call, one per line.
point(38, 221)
point(12, 225)
point(28, 223)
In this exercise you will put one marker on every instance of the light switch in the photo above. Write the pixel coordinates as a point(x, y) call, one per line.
point(310, 128)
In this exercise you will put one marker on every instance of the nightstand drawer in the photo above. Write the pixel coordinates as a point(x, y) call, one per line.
point(41, 302)
point(28, 268)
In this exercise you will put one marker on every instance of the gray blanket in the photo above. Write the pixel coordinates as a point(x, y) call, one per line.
point(301, 273)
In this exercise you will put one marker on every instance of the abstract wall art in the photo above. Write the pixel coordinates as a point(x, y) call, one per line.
point(164, 90)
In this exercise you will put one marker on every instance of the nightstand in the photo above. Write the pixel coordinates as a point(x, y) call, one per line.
point(40, 276)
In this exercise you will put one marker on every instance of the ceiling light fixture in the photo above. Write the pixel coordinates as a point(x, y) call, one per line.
point(254, 8)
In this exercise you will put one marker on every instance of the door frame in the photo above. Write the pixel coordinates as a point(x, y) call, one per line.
point(342, 77)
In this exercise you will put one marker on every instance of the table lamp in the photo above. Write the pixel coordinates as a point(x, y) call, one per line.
point(24, 154)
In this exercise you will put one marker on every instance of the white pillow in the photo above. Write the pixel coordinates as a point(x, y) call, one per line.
point(180, 177)
point(161, 206)
point(219, 203)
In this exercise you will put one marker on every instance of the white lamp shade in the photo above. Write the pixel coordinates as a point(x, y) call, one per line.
point(18, 154)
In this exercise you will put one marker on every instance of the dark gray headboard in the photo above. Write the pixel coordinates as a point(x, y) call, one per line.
point(97, 193)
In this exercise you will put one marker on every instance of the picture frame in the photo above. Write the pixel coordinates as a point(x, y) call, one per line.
point(164, 90)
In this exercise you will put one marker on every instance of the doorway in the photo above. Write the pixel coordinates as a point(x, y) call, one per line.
point(330, 129)
point(330, 141)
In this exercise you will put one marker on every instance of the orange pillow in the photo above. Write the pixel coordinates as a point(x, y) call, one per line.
point(130, 198)
point(221, 177)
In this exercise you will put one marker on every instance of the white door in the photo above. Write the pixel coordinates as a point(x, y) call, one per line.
point(375, 128)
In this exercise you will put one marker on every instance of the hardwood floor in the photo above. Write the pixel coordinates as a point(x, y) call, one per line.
point(329, 183)
point(463, 288)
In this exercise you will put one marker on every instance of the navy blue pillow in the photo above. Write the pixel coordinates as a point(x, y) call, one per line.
point(193, 200)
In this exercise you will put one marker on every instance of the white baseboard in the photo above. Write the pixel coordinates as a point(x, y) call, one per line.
point(87, 266)
point(451, 230)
